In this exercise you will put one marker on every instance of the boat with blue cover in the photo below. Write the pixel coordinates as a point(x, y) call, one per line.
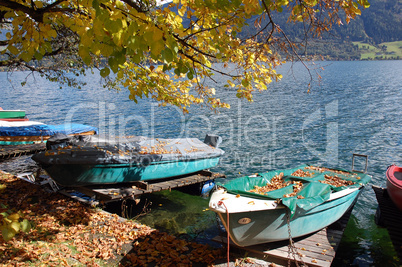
point(263, 208)
point(91, 160)
point(31, 132)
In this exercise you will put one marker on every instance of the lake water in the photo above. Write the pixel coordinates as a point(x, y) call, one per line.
point(354, 108)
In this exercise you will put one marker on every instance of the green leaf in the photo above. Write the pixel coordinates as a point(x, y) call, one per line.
point(48, 47)
point(15, 226)
point(167, 55)
point(136, 58)
point(26, 56)
point(7, 234)
point(95, 4)
point(105, 72)
point(13, 49)
point(38, 56)
point(113, 64)
point(25, 226)
point(120, 57)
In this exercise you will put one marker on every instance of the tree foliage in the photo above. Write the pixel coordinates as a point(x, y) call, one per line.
point(159, 51)
point(11, 223)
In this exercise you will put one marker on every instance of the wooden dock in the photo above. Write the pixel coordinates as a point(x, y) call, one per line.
point(117, 192)
point(7, 152)
point(316, 249)
point(390, 217)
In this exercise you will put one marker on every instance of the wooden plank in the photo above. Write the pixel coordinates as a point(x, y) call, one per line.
point(19, 150)
point(278, 253)
point(306, 256)
point(108, 193)
point(39, 138)
point(317, 249)
point(309, 260)
point(311, 252)
point(324, 250)
point(319, 244)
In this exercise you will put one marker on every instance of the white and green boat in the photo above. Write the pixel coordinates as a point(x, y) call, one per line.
point(255, 210)
point(89, 160)
point(12, 114)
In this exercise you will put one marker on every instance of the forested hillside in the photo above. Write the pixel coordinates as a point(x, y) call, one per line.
point(379, 24)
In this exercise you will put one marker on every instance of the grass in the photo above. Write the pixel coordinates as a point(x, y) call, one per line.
point(392, 50)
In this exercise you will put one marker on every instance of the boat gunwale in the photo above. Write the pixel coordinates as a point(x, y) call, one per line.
point(391, 176)
point(131, 164)
point(36, 138)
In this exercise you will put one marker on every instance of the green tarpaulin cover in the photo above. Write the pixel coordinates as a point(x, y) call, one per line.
point(312, 193)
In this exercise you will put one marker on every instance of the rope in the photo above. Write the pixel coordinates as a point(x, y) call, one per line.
point(227, 231)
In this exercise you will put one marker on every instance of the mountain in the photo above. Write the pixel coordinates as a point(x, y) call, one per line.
point(380, 23)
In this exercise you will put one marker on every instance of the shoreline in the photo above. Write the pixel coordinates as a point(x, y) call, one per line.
point(67, 232)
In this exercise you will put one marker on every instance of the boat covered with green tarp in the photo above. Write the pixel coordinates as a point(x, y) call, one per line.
point(256, 209)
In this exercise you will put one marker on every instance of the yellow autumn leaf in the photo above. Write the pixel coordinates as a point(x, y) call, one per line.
point(13, 49)
point(14, 217)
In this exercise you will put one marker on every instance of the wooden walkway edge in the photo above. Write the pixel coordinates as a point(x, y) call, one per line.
point(7, 152)
point(317, 249)
point(115, 192)
point(390, 217)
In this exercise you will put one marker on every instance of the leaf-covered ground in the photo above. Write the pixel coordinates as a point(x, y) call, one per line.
point(68, 233)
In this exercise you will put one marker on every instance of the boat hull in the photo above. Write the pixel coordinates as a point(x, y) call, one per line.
point(18, 119)
point(12, 114)
point(31, 132)
point(271, 225)
point(92, 160)
point(394, 185)
point(87, 174)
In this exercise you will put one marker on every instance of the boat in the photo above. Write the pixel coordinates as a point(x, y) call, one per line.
point(19, 119)
point(283, 204)
point(394, 185)
point(31, 132)
point(91, 160)
point(12, 115)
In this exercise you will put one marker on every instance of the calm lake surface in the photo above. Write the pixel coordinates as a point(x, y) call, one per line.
point(354, 108)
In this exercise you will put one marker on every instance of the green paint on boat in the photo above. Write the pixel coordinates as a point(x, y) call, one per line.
point(12, 114)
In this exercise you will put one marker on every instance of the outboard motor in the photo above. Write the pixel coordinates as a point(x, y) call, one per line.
point(61, 140)
point(213, 140)
point(57, 140)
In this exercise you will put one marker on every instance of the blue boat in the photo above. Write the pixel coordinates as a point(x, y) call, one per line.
point(31, 132)
point(263, 208)
point(90, 160)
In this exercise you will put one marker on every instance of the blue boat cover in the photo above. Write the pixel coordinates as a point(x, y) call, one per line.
point(46, 130)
